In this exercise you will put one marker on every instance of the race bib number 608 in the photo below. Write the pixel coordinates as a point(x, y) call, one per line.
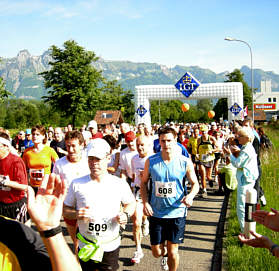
point(165, 190)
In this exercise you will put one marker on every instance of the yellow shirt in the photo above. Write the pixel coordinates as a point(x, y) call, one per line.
point(193, 144)
point(39, 163)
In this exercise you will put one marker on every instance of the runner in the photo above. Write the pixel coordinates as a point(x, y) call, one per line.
point(70, 167)
point(126, 155)
point(169, 200)
point(139, 220)
point(13, 182)
point(206, 148)
point(95, 200)
point(38, 159)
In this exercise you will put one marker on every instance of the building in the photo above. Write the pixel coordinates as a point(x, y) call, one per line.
point(105, 117)
point(266, 101)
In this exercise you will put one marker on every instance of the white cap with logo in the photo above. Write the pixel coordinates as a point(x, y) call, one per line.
point(98, 148)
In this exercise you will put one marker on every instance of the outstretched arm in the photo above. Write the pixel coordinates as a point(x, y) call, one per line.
point(260, 241)
point(45, 210)
point(268, 219)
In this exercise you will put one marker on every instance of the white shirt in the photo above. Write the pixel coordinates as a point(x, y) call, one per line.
point(69, 171)
point(104, 199)
point(125, 161)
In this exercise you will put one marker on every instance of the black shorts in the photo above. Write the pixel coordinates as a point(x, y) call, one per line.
point(217, 156)
point(16, 210)
point(109, 262)
point(170, 229)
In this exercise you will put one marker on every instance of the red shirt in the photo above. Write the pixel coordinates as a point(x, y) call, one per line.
point(14, 167)
point(97, 135)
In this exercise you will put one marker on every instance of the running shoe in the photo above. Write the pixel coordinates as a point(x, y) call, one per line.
point(164, 263)
point(204, 194)
point(138, 255)
point(145, 228)
point(210, 183)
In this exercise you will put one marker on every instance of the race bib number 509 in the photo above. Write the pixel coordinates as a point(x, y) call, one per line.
point(165, 190)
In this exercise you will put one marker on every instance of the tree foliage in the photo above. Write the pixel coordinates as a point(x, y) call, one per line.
point(221, 107)
point(77, 89)
point(72, 80)
point(4, 94)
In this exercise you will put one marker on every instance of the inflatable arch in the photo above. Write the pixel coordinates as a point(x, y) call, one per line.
point(233, 91)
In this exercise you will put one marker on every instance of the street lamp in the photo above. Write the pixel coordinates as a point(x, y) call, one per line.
point(252, 81)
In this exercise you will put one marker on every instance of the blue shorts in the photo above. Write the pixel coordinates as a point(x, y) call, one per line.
point(170, 229)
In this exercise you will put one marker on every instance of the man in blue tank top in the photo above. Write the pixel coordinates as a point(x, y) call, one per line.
point(167, 200)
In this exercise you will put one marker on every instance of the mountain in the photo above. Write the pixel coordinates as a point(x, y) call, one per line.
point(22, 79)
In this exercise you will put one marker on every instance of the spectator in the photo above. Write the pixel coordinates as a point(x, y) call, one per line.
point(247, 168)
point(269, 220)
point(24, 249)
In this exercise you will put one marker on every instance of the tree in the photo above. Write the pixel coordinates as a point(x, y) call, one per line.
point(73, 82)
point(237, 76)
point(4, 94)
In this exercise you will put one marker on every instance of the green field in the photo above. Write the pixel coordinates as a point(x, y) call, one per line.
point(240, 258)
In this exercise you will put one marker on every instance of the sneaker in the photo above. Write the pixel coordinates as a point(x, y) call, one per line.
point(145, 228)
point(138, 255)
point(204, 194)
point(210, 183)
point(164, 263)
point(263, 200)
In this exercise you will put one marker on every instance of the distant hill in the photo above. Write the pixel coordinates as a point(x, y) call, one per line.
point(22, 79)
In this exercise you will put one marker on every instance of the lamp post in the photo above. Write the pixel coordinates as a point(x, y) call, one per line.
point(252, 81)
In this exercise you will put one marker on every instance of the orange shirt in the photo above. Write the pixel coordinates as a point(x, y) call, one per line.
point(39, 163)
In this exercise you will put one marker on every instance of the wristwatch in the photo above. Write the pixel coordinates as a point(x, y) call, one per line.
point(51, 232)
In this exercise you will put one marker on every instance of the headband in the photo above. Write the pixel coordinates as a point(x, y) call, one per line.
point(5, 141)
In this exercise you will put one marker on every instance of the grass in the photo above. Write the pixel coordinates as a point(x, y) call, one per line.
point(244, 258)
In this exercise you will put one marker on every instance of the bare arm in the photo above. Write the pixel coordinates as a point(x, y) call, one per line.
point(16, 185)
point(268, 219)
point(191, 176)
point(45, 210)
point(260, 241)
point(147, 209)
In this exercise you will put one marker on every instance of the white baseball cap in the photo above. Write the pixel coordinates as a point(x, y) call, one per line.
point(98, 148)
point(92, 124)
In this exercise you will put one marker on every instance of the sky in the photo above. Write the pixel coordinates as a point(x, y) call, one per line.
point(167, 32)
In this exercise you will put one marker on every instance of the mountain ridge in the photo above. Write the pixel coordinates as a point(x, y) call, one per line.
point(21, 74)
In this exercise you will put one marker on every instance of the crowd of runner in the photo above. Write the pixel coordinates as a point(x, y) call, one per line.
point(113, 174)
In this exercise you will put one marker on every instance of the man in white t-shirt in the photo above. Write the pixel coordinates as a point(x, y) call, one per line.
point(70, 167)
point(126, 155)
point(95, 200)
point(138, 161)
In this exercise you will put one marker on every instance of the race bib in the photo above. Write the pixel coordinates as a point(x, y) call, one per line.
point(165, 190)
point(3, 187)
point(99, 228)
point(36, 176)
point(204, 157)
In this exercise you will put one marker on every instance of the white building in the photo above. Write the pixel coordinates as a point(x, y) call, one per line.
point(266, 100)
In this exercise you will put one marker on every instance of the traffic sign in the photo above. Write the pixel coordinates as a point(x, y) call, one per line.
point(187, 84)
point(235, 109)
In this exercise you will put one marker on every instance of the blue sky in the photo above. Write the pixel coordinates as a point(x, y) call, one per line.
point(168, 32)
